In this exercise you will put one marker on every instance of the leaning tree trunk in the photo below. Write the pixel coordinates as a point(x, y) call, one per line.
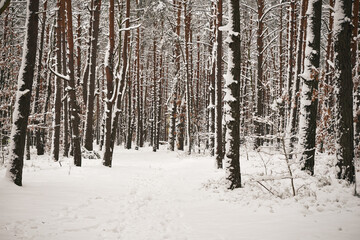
point(232, 99)
point(5, 4)
point(344, 91)
point(309, 96)
point(23, 96)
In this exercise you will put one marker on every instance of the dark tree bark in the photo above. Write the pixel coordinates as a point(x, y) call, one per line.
point(309, 95)
point(74, 107)
point(155, 101)
point(39, 137)
point(232, 100)
point(3, 8)
point(58, 85)
point(89, 130)
point(291, 44)
point(109, 68)
point(87, 66)
point(356, 68)
point(218, 111)
point(66, 128)
point(139, 120)
point(212, 92)
point(259, 128)
point(23, 96)
point(294, 115)
point(187, 21)
point(344, 93)
point(173, 116)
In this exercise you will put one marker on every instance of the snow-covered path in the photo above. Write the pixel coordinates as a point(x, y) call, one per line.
point(155, 196)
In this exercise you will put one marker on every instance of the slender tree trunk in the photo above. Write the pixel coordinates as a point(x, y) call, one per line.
point(232, 99)
point(55, 146)
point(173, 115)
point(64, 72)
point(355, 67)
point(293, 122)
point(23, 96)
point(87, 66)
point(39, 139)
point(139, 123)
point(212, 93)
point(187, 19)
point(344, 91)
point(309, 94)
point(75, 110)
point(290, 73)
point(89, 130)
point(155, 102)
point(259, 128)
point(218, 111)
point(109, 68)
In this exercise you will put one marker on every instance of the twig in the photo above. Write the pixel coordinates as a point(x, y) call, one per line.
point(267, 189)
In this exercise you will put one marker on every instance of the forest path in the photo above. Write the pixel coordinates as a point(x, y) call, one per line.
point(153, 196)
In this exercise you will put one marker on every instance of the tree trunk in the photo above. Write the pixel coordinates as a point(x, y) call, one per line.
point(109, 68)
point(39, 139)
point(232, 99)
point(187, 19)
point(173, 115)
point(344, 91)
point(74, 107)
point(309, 94)
point(218, 111)
point(259, 128)
point(155, 102)
point(212, 92)
point(23, 96)
point(55, 146)
point(293, 122)
point(89, 130)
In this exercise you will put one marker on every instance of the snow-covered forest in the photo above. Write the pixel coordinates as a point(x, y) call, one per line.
point(179, 119)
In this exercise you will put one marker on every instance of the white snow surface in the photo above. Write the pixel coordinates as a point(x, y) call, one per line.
point(170, 195)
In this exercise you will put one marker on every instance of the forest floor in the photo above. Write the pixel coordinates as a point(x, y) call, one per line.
point(169, 195)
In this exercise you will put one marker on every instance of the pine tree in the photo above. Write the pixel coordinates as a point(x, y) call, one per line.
point(23, 96)
point(344, 91)
point(232, 114)
point(309, 96)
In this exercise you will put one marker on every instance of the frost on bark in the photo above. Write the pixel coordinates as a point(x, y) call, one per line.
point(23, 96)
point(344, 91)
point(309, 94)
point(232, 84)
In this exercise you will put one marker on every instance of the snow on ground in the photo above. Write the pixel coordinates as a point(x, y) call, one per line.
point(169, 195)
